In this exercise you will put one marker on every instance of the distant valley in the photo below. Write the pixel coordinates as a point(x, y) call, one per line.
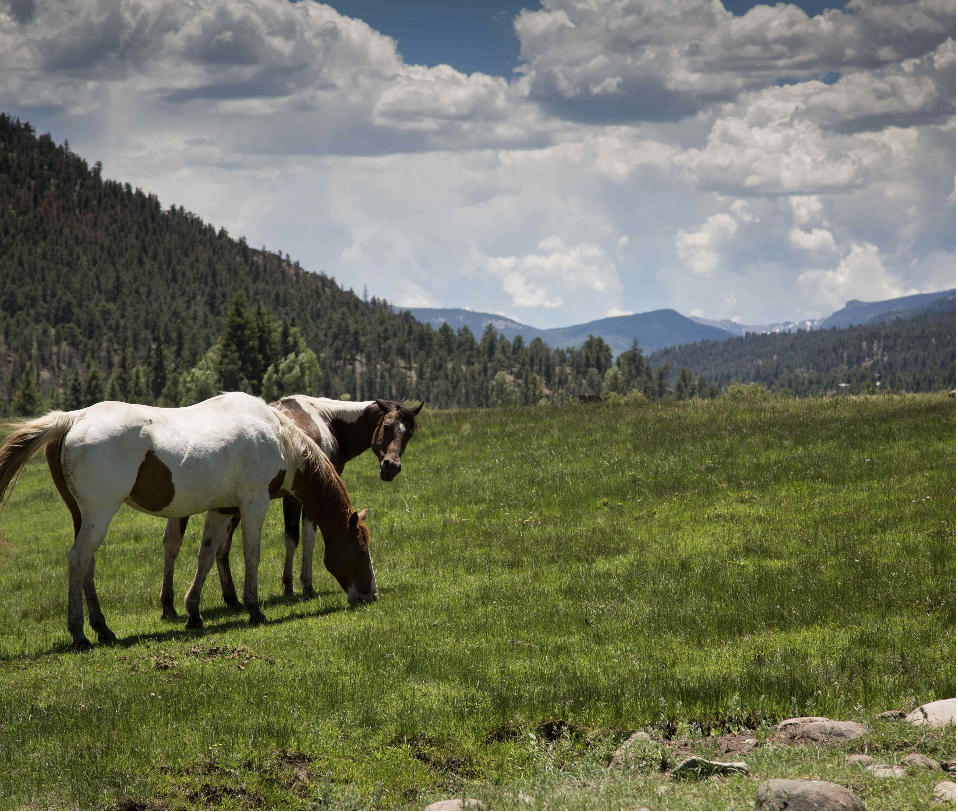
point(658, 329)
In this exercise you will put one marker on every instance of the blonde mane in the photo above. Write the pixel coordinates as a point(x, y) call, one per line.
point(324, 490)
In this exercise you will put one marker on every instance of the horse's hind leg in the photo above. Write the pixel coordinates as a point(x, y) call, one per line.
point(223, 566)
point(213, 531)
point(97, 621)
point(172, 541)
point(306, 571)
point(90, 535)
point(291, 512)
point(252, 515)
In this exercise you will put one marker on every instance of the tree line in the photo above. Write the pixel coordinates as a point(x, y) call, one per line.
point(104, 294)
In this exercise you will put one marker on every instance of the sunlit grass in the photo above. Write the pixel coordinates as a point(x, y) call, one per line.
point(609, 567)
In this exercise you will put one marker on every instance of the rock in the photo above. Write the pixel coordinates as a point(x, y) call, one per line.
point(886, 771)
point(449, 804)
point(695, 767)
point(934, 714)
point(780, 793)
point(859, 759)
point(797, 721)
point(945, 792)
point(920, 762)
point(822, 729)
point(621, 757)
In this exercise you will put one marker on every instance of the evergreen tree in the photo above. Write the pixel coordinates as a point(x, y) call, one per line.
point(27, 402)
point(684, 384)
point(73, 397)
point(239, 359)
point(92, 384)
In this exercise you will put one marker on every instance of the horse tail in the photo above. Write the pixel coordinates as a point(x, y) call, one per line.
point(26, 439)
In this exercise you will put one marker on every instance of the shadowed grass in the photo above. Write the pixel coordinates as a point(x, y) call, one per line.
point(593, 568)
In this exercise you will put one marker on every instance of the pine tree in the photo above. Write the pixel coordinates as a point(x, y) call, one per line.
point(73, 397)
point(157, 367)
point(239, 352)
point(92, 384)
point(27, 402)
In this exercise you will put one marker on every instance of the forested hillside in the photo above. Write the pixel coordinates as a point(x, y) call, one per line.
point(104, 294)
point(914, 354)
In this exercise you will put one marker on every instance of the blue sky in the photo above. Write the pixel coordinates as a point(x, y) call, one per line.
point(473, 36)
point(762, 165)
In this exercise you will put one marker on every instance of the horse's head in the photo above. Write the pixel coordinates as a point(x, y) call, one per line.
point(348, 560)
point(395, 428)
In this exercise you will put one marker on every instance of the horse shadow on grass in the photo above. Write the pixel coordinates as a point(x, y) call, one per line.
point(217, 620)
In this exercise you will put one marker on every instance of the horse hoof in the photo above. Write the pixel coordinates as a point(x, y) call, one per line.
point(169, 614)
point(288, 591)
point(81, 644)
point(257, 618)
point(106, 638)
point(309, 592)
point(194, 622)
point(233, 604)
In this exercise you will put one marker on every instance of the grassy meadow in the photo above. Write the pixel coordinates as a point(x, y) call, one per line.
point(551, 579)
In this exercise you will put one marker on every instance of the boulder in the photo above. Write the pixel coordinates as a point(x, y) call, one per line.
point(945, 792)
point(886, 771)
point(818, 729)
point(780, 793)
point(695, 767)
point(920, 762)
point(859, 759)
point(934, 714)
point(452, 804)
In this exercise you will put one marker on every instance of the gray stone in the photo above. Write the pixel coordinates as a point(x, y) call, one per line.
point(859, 759)
point(453, 804)
point(780, 793)
point(886, 771)
point(945, 792)
point(797, 721)
point(934, 714)
point(695, 767)
point(920, 762)
point(822, 729)
point(621, 757)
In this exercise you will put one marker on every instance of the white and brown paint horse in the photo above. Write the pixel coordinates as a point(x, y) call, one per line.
point(232, 451)
point(343, 430)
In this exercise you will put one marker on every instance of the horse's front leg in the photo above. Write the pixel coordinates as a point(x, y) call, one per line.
point(252, 515)
point(306, 570)
point(172, 541)
point(223, 566)
point(291, 511)
point(214, 529)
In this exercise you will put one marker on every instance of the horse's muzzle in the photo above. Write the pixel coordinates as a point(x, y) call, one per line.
point(357, 599)
point(389, 470)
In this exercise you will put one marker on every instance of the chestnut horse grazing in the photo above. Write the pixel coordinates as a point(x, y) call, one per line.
point(232, 451)
point(343, 429)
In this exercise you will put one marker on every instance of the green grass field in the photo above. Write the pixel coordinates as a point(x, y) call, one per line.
point(551, 579)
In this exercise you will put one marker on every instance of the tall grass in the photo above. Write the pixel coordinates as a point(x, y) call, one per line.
point(586, 568)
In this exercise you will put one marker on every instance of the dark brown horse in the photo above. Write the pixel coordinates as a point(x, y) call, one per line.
point(343, 430)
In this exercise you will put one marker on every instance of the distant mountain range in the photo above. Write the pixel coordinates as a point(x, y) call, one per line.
point(666, 328)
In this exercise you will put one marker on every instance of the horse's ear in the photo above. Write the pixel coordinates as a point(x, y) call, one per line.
point(384, 405)
point(418, 409)
point(362, 514)
point(353, 520)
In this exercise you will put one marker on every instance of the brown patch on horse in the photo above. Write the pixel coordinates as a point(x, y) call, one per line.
point(153, 489)
point(300, 417)
point(56, 472)
point(276, 484)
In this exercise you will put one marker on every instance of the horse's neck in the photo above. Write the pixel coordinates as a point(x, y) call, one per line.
point(352, 425)
point(323, 494)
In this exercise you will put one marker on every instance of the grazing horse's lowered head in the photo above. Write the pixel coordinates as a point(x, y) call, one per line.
point(396, 427)
point(345, 535)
